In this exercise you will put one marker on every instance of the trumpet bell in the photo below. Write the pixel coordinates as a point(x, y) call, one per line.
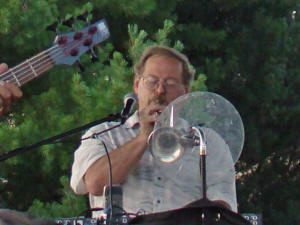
point(165, 144)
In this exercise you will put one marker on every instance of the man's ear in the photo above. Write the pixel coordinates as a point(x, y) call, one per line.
point(186, 89)
point(136, 84)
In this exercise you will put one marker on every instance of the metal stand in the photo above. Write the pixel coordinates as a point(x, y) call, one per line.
point(200, 212)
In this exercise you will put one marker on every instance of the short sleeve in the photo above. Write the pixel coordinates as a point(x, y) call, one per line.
point(89, 151)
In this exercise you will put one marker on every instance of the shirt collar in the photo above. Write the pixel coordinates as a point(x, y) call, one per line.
point(132, 120)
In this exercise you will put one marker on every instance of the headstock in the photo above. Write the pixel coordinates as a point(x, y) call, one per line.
point(68, 47)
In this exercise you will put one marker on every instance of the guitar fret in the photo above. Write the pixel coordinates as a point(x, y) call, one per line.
point(31, 67)
point(14, 75)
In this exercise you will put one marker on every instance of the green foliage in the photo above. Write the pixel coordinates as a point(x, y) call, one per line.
point(199, 83)
point(162, 34)
point(70, 206)
point(246, 51)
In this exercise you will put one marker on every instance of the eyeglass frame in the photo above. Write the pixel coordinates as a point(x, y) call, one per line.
point(167, 87)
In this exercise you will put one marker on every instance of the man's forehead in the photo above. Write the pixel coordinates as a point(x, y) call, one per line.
point(155, 56)
point(158, 61)
point(161, 64)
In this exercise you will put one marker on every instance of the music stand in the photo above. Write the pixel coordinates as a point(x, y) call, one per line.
point(201, 212)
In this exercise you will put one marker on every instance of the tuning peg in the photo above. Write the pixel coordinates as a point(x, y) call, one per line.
point(68, 22)
point(52, 27)
point(83, 16)
point(3, 180)
point(93, 56)
point(81, 67)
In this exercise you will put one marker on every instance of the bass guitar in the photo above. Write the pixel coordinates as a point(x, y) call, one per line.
point(66, 49)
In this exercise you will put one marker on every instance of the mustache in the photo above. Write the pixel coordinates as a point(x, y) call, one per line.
point(159, 100)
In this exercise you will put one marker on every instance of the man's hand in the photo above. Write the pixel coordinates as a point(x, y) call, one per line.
point(8, 92)
point(11, 217)
point(148, 116)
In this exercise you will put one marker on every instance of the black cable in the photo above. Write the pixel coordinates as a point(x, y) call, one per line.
point(101, 132)
point(110, 181)
point(89, 210)
point(57, 137)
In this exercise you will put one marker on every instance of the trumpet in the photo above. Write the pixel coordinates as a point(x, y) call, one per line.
point(168, 144)
point(165, 144)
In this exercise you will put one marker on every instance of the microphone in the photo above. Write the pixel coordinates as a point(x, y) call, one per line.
point(130, 101)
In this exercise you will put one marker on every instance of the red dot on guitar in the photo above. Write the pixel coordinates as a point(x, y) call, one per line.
point(78, 36)
point(74, 52)
point(62, 40)
point(87, 42)
point(92, 30)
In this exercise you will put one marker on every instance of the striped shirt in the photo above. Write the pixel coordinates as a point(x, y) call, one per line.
point(153, 186)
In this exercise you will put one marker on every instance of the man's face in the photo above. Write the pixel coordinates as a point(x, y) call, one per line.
point(161, 81)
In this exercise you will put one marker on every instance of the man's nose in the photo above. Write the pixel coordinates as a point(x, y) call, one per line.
point(160, 88)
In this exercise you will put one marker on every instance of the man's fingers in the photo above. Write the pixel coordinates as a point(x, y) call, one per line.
point(154, 108)
point(5, 95)
point(3, 67)
point(16, 93)
point(8, 92)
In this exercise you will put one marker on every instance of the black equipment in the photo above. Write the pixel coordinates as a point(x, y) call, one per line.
point(252, 218)
point(123, 220)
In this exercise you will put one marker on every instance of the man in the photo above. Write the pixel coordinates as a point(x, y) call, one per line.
point(9, 93)
point(161, 75)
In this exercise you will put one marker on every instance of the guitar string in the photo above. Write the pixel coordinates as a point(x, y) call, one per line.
point(30, 68)
point(27, 68)
point(49, 60)
point(30, 75)
point(39, 71)
point(44, 53)
point(73, 44)
point(25, 62)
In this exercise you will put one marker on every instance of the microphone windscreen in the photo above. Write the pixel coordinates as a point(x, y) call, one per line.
point(130, 101)
point(130, 96)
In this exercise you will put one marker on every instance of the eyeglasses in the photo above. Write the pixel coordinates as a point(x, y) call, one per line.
point(152, 83)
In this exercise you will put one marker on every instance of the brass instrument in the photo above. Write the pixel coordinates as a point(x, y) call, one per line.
point(165, 144)
point(179, 126)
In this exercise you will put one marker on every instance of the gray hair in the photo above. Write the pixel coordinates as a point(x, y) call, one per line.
point(188, 72)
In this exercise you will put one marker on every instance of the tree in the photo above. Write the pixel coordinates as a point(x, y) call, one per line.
point(245, 51)
point(248, 50)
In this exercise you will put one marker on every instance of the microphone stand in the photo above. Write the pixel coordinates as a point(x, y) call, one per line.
point(202, 152)
point(50, 140)
point(203, 211)
point(212, 212)
point(123, 116)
